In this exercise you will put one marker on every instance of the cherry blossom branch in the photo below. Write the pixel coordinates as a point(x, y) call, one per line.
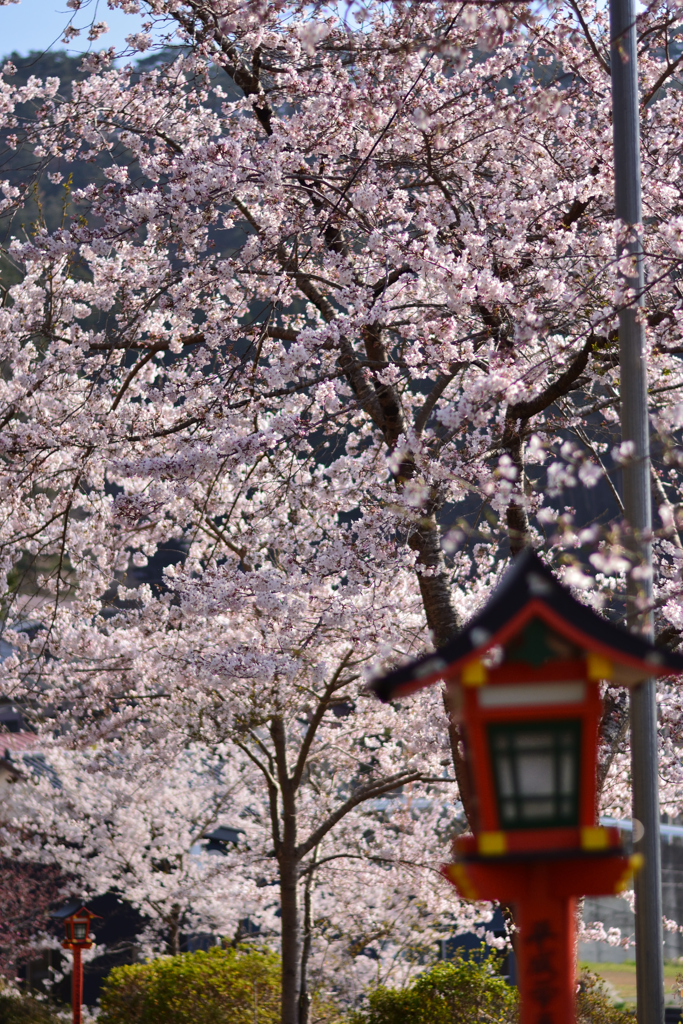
point(368, 792)
point(589, 38)
point(372, 858)
point(139, 365)
point(317, 717)
point(667, 73)
point(440, 385)
point(273, 790)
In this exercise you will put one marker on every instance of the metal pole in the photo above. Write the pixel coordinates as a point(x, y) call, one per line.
point(636, 478)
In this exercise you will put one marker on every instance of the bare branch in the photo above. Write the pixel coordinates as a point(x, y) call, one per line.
point(589, 38)
point(667, 73)
point(144, 345)
point(323, 704)
point(272, 793)
point(559, 388)
point(134, 372)
point(440, 385)
point(369, 792)
point(258, 762)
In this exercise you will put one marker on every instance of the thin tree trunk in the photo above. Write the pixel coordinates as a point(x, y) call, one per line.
point(517, 518)
point(304, 995)
point(289, 878)
point(291, 940)
point(173, 941)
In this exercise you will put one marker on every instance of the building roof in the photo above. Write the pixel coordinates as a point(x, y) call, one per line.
point(529, 591)
point(225, 834)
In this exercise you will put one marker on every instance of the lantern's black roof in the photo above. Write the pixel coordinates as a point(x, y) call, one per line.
point(529, 589)
point(71, 908)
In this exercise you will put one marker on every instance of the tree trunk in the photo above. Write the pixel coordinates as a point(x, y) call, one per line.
point(173, 941)
point(304, 995)
point(289, 877)
point(434, 585)
point(461, 768)
point(517, 518)
point(291, 940)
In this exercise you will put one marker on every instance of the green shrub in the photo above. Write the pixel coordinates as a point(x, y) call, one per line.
point(472, 992)
point(222, 986)
point(459, 992)
point(593, 1005)
point(16, 1009)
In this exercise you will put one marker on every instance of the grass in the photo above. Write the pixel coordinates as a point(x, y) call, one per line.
point(621, 979)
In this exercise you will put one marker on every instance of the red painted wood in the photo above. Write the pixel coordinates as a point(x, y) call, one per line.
point(476, 719)
point(76, 985)
point(546, 959)
point(539, 871)
point(536, 842)
point(543, 894)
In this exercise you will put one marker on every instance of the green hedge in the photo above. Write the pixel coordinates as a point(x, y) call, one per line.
point(472, 992)
point(221, 986)
point(237, 986)
point(457, 992)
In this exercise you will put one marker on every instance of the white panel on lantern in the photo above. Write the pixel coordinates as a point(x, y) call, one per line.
point(517, 695)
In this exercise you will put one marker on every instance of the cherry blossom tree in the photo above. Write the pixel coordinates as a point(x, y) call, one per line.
point(338, 320)
point(139, 829)
point(27, 894)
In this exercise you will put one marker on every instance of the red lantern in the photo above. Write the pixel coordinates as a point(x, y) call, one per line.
point(77, 929)
point(523, 682)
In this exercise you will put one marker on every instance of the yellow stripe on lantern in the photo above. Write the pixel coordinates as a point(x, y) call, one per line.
point(474, 673)
point(598, 667)
point(457, 874)
point(594, 838)
point(492, 844)
point(635, 863)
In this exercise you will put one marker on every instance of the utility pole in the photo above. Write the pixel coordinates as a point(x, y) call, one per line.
point(636, 478)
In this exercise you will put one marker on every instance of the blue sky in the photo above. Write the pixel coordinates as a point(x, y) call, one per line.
point(39, 24)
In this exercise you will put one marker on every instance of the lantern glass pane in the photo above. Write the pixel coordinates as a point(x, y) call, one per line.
point(80, 930)
point(536, 770)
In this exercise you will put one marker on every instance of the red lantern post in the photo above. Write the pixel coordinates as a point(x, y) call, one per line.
point(77, 920)
point(523, 684)
point(76, 985)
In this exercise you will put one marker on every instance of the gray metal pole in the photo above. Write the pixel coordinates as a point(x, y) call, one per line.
point(636, 477)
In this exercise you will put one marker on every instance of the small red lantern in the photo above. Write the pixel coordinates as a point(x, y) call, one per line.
point(77, 921)
point(523, 683)
point(77, 928)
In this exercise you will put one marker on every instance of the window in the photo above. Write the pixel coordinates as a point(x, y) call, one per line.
point(536, 771)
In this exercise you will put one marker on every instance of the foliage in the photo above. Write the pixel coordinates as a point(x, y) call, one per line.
point(678, 986)
point(22, 1009)
point(468, 991)
point(221, 986)
point(593, 1005)
point(463, 991)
